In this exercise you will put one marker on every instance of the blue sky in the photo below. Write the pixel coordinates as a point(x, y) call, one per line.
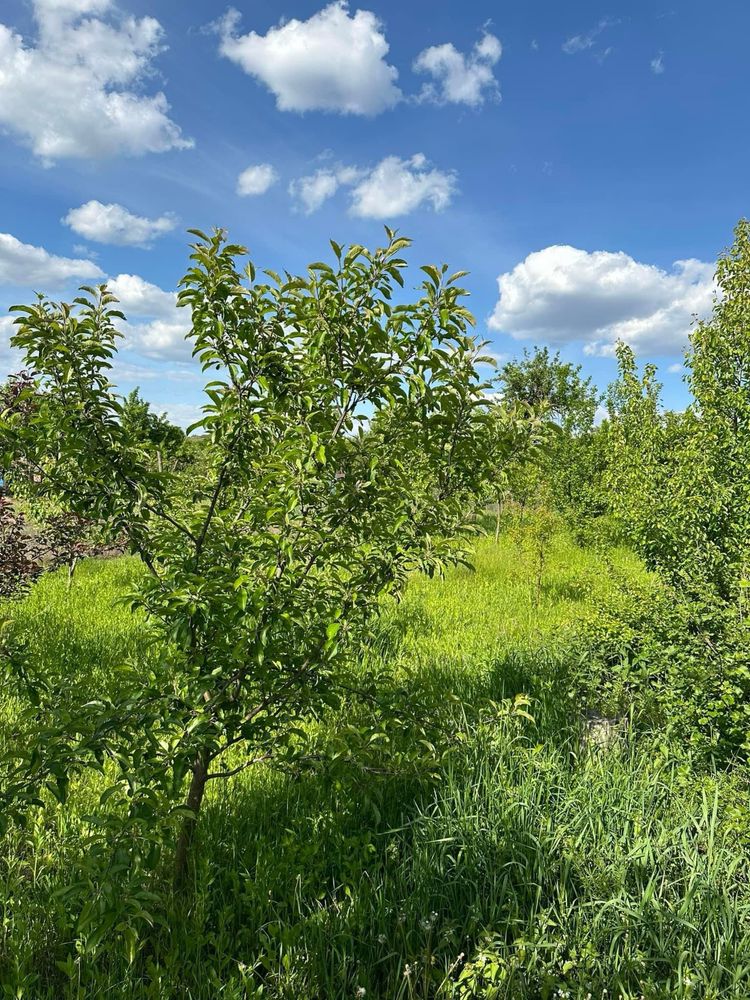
point(591, 157)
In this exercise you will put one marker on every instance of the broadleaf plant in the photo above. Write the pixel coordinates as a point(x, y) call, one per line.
point(348, 444)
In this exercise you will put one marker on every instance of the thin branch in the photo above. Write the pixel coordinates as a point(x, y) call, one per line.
point(211, 508)
point(240, 767)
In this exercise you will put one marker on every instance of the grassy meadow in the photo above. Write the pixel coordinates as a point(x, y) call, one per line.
point(523, 861)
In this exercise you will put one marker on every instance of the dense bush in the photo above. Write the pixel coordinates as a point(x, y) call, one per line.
point(20, 552)
point(679, 664)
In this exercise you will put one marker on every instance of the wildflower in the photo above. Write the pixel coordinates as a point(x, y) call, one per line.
point(382, 939)
point(407, 970)
point(361, 992)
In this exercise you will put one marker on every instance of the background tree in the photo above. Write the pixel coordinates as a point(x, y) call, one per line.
point(17, 397)
point(566, 473)
point(719, 379)
point(518, 436)
point(264, 572)
point(155, 432)
point(543, 381)
point(680, 483)
point(679, 486)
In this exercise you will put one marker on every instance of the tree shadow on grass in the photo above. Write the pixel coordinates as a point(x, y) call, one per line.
point(331, 864)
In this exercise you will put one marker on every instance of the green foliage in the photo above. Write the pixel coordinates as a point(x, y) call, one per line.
point(268, 561)
point(422, 806)
point(681, 664)
point(522, 863)
point(154, 432)
point(534, 528)
point(679, 483)
point(545, 383)
point(679, 486)
point(566, 471)
point(517, 437)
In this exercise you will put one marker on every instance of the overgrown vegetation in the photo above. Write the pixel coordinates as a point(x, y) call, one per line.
point(233, 765)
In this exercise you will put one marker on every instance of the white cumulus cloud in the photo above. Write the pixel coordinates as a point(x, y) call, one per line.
point(77, 89)
point(334, 61)
point(311, 191)
point(182, 414)
point(116, 225)
point(391, 188)
point(22, 264)
point(10, 360)
point(155, 326)
point(397, 187)
point(458, 78)
point(256, 179)
point(563, 295)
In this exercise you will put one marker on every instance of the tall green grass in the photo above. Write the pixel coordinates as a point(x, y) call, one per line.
point(532, 865)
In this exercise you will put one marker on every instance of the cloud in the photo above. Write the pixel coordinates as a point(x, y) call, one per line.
point(76, 90)
point(334, 61)
point(582, 43)
point(10, 359)
point(146, 372)
point(116, 225)
point(458, 78)
point(657, 64)
point(392, 188)
point(155, 327)
point(398, 187)
point(564, 295)
point(256, 180)
point(22, 264)
point(601, 413)
point(311, 191)
point(182, 414)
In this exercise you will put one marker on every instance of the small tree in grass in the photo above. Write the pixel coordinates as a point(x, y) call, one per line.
point(349, 438)
point(518, 436)
point(566, 471)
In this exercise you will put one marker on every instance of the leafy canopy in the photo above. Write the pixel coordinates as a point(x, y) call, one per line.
point(348, 437)
point(680, 483)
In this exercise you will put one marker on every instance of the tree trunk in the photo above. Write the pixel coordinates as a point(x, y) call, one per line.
point(71, 572)
point(539, 573)
point(497, 519)
point(187, 833)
